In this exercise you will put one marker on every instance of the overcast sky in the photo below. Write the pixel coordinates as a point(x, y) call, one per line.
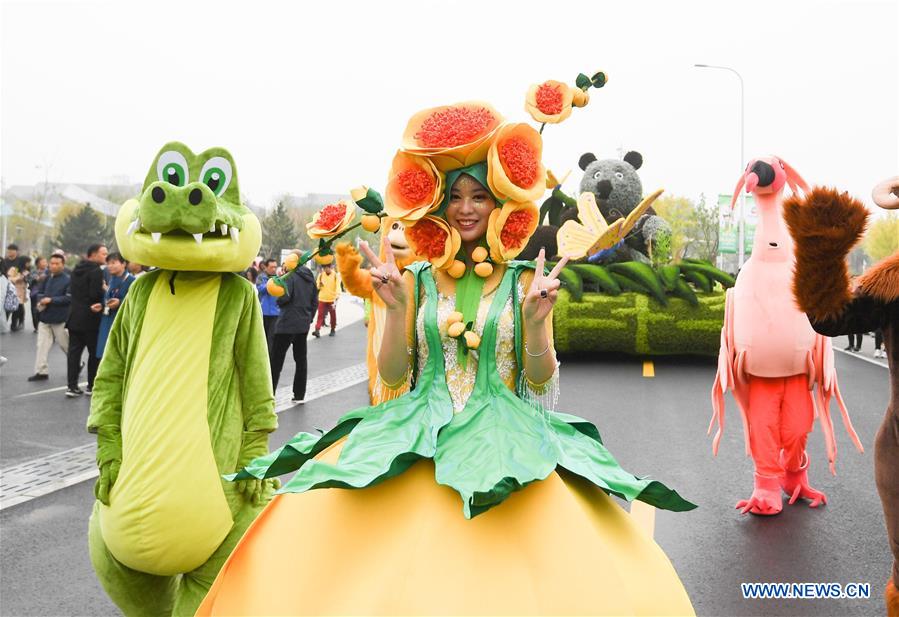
point(313, 97)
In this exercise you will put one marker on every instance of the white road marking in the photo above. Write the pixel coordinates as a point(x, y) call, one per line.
point(861, 357)
point(42, 476)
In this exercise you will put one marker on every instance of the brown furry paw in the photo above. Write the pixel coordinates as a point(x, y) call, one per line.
point(825, 222)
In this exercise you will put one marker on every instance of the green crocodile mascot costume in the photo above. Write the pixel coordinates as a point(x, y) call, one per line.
point(182, 395)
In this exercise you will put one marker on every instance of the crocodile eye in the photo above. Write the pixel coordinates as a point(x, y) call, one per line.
point(172, 167)
point(216, 174)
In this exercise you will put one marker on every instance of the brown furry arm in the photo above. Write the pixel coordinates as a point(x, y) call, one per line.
point(825, 225)
point(356, 280)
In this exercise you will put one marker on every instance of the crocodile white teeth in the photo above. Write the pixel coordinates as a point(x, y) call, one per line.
point(198, 238)
point(135, 225)
point(235, 234)
point(224, 229)
point(156, 236)
point(212, 227)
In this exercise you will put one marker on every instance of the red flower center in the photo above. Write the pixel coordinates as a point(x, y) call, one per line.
point(416, 185)
point(428, 238)
point(453, 127)
point(331, 216)
point(549, 99)
point(520, 161)
point(515, 231)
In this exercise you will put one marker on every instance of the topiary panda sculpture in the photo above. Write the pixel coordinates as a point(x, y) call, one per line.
point(618, 190)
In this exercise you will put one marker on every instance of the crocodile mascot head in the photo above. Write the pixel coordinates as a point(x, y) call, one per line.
point(188, 215)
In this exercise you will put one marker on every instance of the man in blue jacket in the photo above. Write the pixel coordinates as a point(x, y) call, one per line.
point(270, 310)
point(52, 301)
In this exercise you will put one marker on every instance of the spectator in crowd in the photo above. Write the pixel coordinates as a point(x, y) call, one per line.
point(270, 309)
point(328, 289)
point(62, 253)
point(6, 289)
point(12, 259)
point(135, 269)
point(16, 278)
point(34, 280)
point(116, 290)
point(879, 352)
point(251, 274)
point(297, 307)
point(86, 289)
point(52, 300)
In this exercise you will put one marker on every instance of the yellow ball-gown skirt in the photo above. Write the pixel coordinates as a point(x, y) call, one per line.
point(560, 546)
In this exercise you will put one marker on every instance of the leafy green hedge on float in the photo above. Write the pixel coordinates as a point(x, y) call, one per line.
point(634, 323)
point(636, 309)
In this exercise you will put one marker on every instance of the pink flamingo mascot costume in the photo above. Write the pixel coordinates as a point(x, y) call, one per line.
point(772, 358)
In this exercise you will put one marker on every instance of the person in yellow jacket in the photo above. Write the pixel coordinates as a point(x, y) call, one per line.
point(328, 289)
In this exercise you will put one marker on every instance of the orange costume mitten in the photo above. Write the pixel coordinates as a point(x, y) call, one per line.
point(358, 282)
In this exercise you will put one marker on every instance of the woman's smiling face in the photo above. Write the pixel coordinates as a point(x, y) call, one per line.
point(469, 208)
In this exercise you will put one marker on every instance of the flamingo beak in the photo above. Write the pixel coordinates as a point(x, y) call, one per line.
point(752, 181)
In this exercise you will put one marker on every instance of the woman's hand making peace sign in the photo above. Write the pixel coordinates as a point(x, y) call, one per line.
point(544, 291)
point(385, 276)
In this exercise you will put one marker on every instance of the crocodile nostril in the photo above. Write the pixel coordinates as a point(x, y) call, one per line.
point(158, 194)
point(195, 197)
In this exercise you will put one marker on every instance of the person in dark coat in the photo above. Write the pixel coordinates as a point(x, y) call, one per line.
point(87, 289)
point(117, 285)
point(52, 301)
point(825, 225)
point(297, 307)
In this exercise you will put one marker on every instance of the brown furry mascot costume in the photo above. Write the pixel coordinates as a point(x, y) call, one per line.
point(358, 282)
point(825, 225)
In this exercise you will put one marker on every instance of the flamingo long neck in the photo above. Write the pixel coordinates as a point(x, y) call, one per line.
point(771, 229)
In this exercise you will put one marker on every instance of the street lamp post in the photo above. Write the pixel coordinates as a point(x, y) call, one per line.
point(741, 216)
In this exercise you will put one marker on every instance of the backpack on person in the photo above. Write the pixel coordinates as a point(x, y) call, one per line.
point(11, 300)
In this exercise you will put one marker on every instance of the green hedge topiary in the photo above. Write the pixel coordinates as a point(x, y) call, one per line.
point(637, 324)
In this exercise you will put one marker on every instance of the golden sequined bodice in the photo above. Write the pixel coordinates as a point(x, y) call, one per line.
point(459, 379)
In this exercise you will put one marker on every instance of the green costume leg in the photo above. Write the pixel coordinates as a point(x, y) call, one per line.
point(135, 593)
point(195, 584)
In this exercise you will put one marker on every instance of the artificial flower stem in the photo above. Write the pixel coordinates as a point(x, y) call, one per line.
point(561, 196)
point(468, 299)
point(541, 128)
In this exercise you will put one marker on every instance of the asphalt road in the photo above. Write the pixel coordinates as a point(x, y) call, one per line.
point(655, 426)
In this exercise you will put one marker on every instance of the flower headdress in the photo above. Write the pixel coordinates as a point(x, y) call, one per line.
point(438, 145)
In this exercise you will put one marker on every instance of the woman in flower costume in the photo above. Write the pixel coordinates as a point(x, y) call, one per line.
point(470, 331)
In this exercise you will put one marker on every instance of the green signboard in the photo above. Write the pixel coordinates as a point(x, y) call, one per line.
point(728, 228)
